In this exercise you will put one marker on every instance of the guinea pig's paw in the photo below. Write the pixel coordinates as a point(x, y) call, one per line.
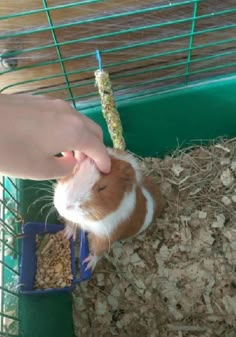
point(70, 231)
point(91, 261)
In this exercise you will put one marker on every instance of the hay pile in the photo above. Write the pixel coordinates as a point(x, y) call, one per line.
point(178, 279)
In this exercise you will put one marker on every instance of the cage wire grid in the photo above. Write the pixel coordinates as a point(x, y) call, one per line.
point(134, 88)
point(10, 63)
point(9, 257)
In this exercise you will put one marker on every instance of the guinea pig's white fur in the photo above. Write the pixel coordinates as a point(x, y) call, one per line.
point(67, 195)
point(150, 210)
point(68, 198)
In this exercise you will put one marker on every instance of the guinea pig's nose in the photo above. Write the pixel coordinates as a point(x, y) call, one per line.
point(69, 207)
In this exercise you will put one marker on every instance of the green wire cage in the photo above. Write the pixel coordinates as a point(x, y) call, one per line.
point(172, 65)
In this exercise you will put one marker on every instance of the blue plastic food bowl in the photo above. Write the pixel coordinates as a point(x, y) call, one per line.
point(29, 258)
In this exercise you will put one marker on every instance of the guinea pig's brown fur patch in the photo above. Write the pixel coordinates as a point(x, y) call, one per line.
point(132, 225)
point(125, 230)
point(110, 189)
point(155, 191)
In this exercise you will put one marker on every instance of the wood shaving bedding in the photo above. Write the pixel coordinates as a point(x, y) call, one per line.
point(178, 279)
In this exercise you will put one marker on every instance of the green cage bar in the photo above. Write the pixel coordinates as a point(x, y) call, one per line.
point(9, 261)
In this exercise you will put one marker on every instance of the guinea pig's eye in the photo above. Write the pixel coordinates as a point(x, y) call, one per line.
point(101, 188)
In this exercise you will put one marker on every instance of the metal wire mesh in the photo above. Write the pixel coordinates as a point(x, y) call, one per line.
point(146, 47)
point(9, 258)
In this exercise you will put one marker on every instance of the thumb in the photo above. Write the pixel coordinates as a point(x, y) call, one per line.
point(97, 151)
point(59, 167)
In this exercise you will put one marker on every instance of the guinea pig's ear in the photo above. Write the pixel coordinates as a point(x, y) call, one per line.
point(126, 171)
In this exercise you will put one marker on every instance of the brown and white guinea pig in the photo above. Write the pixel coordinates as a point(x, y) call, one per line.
point(110, 207)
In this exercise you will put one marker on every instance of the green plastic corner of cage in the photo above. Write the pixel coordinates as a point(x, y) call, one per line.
point(47, 316)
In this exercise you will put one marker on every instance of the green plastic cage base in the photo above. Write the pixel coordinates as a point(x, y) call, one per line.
point(48, 316)
point(152, 127)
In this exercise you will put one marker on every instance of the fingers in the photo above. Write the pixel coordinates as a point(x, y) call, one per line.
point(95, 128)
point(93, 147)
point(79, 156)
point(55, 168)
point(67, 154)
point(87, 137)
point(97, 151)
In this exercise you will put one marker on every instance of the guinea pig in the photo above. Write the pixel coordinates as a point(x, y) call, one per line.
point(110, 207)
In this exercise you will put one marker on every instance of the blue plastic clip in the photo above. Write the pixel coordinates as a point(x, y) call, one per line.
point(99, 59)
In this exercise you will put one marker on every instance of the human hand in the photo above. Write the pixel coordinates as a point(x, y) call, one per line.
point(33, 129)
